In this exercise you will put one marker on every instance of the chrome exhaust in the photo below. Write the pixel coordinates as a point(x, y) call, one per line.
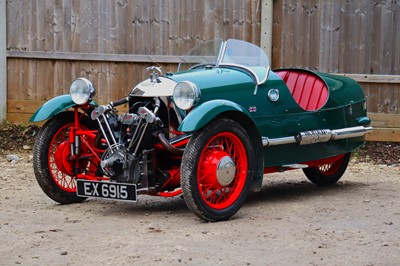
point(318, 136)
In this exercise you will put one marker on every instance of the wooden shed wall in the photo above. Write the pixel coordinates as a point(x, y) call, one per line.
point(51, 42)
point(141, 27)
point(360, 38)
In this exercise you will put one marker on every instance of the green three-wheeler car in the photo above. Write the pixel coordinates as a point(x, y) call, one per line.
point(210, 131)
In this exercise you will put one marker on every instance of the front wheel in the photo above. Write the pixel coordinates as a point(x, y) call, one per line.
point(53, 166)
point(328, 174)
point(216, 170)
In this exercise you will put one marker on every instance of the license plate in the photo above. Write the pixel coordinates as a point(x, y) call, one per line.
point(107, 190)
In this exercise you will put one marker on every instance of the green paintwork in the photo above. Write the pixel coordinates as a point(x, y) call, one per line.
point(283, 118)
point(203, 114)
point(53, 107)
point(343, 90)
point(363, 121)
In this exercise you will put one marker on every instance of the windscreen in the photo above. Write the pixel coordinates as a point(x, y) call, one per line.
point(232, 53)
point(201, 55)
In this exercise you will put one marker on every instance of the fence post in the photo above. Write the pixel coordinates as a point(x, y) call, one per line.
point(267, 7)
point(3, 61)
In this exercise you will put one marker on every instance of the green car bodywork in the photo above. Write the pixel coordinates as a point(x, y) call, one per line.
point(54, 106)
point(231, 92)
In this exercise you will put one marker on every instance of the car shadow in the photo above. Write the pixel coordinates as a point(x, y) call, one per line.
point(271, 192)
point(145, 206)
point(292, 191)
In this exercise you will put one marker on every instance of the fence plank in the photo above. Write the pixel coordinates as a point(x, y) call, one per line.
point(369, 78)
point(381, 120)
point(94, 57)
point(19, 118)
point(23, 106)
point(384, 134)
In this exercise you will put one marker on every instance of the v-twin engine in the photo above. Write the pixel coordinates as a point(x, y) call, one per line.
point(121, 166)
point(129, 139)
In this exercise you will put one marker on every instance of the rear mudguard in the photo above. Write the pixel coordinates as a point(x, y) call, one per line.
point(206, 112)
point(53, 107)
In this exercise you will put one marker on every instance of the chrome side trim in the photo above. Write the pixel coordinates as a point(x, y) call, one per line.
point(267, 142)
point(295, 166)
point(318, 136)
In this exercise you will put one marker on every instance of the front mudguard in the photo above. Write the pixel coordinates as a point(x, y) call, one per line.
point(208, 111)
point(204, 113)
point(53, 107)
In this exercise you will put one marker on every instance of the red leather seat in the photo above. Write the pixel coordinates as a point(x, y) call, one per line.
point(308, 90)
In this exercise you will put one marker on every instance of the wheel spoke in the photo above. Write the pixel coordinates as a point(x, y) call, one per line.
point(61, 169)
point(215, 169)
point(213, 193)
point(330, 168)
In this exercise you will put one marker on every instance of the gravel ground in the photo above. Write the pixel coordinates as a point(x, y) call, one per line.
point(289, 222)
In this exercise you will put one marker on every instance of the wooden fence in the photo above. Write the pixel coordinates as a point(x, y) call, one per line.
point(349, 37)
point(51, 42)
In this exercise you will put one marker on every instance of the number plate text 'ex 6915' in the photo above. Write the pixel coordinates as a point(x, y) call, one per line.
point(107, 190)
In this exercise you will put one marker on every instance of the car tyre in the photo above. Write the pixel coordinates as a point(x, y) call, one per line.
point(216, 171)
point(328, 174)
point(52, 170)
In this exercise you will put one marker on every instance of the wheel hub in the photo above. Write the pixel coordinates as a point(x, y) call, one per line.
point(226, 171)
point(62, 156)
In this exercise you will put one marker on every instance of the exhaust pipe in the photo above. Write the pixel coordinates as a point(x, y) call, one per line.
point(318, 136)
point(165, 143)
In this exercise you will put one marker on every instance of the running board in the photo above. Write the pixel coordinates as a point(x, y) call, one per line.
point(318, 136)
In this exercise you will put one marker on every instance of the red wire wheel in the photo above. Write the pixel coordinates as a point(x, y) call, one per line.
point(224, 154)
point(330, 173)
point(216, 170)
point(331, 168)
point(61, 166)
point(52, 163)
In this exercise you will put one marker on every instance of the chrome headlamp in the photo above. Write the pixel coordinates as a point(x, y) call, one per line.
point(186, 95)
point(81, 91)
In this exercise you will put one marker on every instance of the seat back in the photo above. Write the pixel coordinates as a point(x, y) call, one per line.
point(308, 90)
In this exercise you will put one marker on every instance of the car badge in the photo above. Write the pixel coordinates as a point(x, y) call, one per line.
point(253, 109)
point(155, 73)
